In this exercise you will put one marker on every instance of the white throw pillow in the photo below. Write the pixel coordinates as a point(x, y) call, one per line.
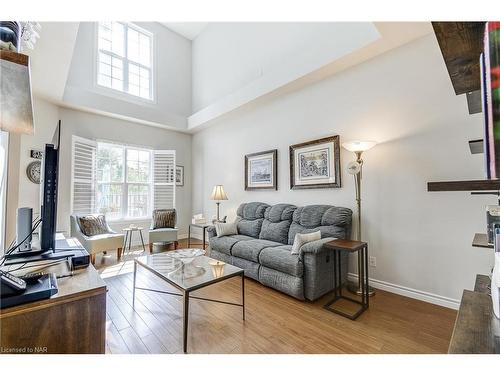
point(226, 229)
point(303, 238)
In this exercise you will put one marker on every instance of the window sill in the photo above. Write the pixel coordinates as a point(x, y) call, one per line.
point(129, 220)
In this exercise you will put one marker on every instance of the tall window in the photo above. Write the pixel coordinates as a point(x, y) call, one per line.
point(125, 58)
point(124, 183)
point(120, 181)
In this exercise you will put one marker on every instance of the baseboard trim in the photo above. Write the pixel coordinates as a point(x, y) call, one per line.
point(410, 292)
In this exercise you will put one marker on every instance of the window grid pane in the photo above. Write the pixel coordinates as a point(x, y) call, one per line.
point(116, 198)
point(138, 200)
point(113, 62)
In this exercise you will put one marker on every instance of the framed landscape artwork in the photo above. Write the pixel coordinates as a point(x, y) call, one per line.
point(315, 164)
point(179, 175)
point(261, 170)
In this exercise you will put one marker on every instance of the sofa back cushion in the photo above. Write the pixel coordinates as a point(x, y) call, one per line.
point(92, 225)
point(276, 224)
point(250, 218)
point(330, 220)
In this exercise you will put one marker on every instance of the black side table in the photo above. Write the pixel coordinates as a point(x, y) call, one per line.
point(203, 228)
point(350, 246)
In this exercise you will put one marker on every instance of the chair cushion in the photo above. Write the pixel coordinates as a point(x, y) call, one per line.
point(277, 220)
point(281, 259)
point(92, 225)
point(163, 235)
point(251, 249)
point(164, 219)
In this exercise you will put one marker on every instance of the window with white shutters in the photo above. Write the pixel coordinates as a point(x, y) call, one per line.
point(164, 179)
point(123, 182)
point(83, 176)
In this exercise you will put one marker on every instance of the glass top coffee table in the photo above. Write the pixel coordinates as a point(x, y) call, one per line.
point(188, 275)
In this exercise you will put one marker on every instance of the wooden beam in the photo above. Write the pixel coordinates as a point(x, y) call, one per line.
point(17, 58)
point(461, 44)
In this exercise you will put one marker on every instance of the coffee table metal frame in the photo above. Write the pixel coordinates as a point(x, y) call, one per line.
point(186, 294)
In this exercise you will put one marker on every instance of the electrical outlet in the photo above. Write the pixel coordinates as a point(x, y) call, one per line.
point(373, 262)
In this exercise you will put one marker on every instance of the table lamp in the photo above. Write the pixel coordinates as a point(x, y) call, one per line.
point(355, 168)
point(218, 194)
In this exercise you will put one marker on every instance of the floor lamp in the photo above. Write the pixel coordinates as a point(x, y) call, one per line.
point(356, 168)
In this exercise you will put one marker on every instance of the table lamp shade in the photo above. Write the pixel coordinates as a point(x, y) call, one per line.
point(218, 194)
point(358, 146)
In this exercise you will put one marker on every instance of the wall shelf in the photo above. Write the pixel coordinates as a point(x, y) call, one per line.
point(481, 240)
point(470, 185)
point(461, 43)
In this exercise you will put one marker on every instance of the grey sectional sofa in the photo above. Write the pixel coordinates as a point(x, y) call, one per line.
point(264, 241)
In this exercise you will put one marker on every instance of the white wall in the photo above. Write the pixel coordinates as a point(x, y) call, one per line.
point(230, 56)
point(172, 79)
point(404, 100)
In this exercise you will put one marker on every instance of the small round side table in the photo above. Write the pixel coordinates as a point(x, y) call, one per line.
point(128, 237)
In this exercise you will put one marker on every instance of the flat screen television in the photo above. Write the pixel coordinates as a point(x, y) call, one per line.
point(48, 192)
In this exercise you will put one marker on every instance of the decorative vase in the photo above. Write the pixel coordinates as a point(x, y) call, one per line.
point(10, 32)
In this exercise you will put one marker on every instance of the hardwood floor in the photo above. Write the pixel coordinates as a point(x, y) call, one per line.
point(275, 322)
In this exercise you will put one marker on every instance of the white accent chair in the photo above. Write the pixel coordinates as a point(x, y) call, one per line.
point(98, 243)
point(163, 235)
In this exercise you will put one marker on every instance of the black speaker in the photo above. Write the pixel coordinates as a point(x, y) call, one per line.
point(23, 228)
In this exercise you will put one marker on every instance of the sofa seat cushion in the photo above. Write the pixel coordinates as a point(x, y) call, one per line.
point(223, 244)
point(281, 259)
point(251, 249)
point(241, 237)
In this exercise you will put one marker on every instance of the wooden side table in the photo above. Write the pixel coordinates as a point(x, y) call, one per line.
point(128, 236)
point(350, 246)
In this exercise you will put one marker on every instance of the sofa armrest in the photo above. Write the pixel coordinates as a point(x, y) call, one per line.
point(211, 231)
point(315, 247)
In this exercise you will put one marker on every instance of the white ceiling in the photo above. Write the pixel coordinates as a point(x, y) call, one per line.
point(189, 30)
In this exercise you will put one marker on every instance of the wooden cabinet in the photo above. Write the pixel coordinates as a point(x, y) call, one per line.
point(477, 330)
point(72, 321)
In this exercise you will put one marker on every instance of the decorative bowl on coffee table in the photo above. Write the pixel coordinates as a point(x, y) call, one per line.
point(186, 256)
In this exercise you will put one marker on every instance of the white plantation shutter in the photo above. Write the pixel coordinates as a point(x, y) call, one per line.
point(83, 169)
point(163, 179)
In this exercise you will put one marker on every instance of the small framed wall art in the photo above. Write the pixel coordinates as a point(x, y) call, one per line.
point(179, 175)
point(315, 164)
point(261, 170)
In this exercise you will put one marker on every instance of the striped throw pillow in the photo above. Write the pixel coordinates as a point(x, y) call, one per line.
point(164, 218)
point(92, 225)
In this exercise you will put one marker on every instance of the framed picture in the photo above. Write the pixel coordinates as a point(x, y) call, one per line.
point(179, 175)
point(261, 170)
point(315, 164)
